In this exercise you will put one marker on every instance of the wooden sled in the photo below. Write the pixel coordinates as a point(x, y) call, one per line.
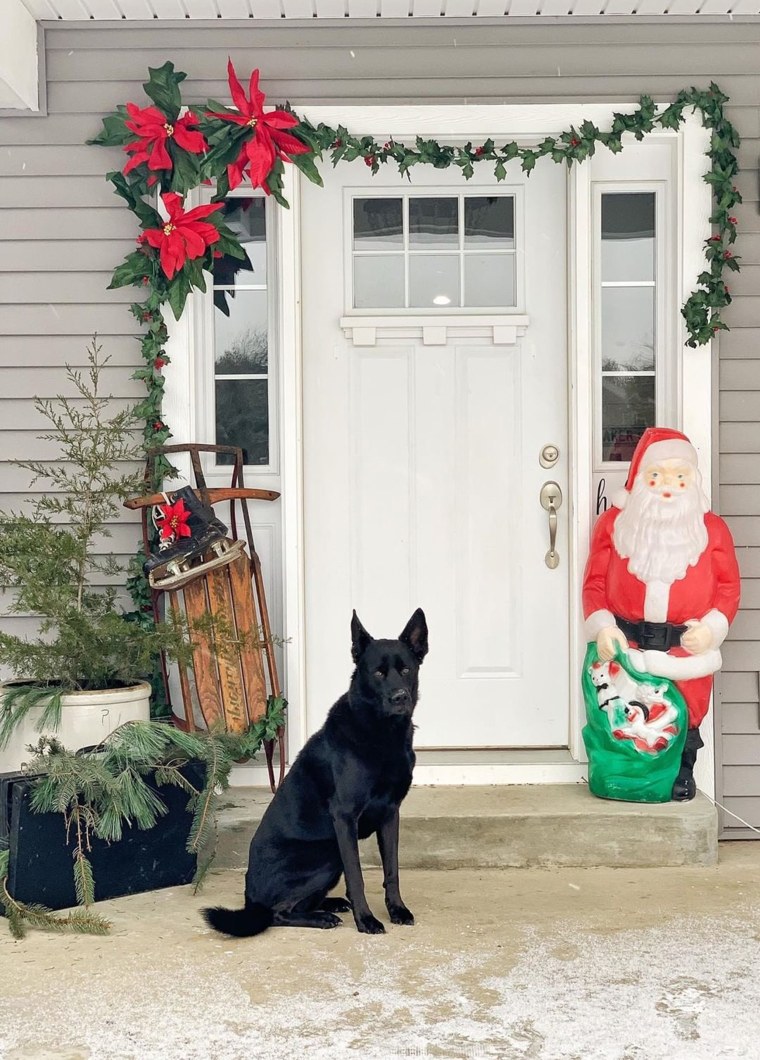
point(225, 686)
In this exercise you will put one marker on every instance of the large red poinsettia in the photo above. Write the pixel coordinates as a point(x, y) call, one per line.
point(269, 142)
point(154, 129)
point(184, 236)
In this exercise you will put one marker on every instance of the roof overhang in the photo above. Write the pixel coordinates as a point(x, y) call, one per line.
point(19, 62)
point(98, 10)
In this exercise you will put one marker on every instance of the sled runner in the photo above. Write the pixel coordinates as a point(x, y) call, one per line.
point(196, 572)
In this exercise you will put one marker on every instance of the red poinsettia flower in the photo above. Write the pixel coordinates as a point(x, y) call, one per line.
point(154, 129)
point(185, 235)
point(269, 141)
point(174, 519)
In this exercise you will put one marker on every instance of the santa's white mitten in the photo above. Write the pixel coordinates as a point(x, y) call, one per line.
point(697, 639)
point(608, 640)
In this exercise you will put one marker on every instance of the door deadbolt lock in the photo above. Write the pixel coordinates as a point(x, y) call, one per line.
point(548, 456)
point(551, 499)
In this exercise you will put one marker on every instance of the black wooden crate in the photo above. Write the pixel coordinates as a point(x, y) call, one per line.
point(41, 863)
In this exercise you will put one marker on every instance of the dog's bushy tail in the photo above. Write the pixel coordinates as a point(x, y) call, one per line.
point(251, 920)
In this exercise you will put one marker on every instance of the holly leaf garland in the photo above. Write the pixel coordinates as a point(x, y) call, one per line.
point(221, 148)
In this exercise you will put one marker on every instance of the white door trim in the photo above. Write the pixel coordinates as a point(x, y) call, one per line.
point(524, 122)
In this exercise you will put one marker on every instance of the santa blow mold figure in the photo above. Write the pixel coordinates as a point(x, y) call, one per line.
point(662, 582)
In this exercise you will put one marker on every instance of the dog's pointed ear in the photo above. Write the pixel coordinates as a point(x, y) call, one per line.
point(415, 635)
point(360, 638)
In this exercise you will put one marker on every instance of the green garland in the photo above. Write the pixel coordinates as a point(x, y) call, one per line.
point(173, 154)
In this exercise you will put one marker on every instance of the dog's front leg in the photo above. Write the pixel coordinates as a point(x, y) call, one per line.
point(387, 841)
point(348, 844)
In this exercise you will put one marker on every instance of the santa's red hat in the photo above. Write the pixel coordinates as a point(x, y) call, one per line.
point(655, 445)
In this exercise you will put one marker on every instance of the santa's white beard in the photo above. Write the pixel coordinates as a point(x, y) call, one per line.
point(661, 538)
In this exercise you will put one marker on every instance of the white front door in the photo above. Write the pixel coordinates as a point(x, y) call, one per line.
point(434, 374)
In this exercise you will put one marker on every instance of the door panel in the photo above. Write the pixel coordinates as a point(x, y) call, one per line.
point(422, 480)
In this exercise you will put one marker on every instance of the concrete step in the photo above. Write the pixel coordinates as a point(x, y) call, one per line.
point(515, 826)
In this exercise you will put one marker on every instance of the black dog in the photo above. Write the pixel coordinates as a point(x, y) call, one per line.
point(346, 783)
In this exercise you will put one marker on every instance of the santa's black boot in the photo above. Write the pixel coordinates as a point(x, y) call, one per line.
point(684, 787)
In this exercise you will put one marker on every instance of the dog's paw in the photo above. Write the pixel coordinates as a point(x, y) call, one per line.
point(329, 920)
point(336, 905)
point(399, 914)
point(370, 925)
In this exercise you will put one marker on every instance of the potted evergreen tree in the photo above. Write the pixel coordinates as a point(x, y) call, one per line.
point(81, 674)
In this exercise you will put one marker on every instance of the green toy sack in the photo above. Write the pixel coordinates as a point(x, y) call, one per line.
point(635, 730)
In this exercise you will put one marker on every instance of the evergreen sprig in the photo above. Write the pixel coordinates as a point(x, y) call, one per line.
point(102, 791)
point(50, 556)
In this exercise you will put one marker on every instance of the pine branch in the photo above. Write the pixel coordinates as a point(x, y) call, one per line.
point(84, 883)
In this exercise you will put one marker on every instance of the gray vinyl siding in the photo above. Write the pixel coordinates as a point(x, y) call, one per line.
point(62, 229)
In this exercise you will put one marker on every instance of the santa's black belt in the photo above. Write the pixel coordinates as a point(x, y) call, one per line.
point(654, 636)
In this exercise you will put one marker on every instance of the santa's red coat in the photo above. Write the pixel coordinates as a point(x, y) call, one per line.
point(709, 591)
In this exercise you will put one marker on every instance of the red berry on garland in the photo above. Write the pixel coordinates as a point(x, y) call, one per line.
point(480, 151)
point(732, 221)
point(147, 316)
point(727, 254)
point(714, 239)
point(158, 426)
point(145, 281)
point(575, 143)
point(159, 363)
point(336, 143)
point(387, 146)
point(369, 160)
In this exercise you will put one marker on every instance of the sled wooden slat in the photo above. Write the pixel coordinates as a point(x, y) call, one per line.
point(247, 627)
point(184, 683)
point(204, 664)
point(221, 608)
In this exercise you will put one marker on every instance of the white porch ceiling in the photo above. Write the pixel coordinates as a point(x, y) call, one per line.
point(72, 10)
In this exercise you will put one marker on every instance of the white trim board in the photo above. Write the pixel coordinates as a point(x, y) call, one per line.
point(692, 387)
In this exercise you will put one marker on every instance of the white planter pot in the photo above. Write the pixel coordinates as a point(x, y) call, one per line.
point(86, 719)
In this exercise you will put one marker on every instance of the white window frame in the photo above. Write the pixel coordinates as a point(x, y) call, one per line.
point(693, 387)
point(513, 191)
point(689, 380)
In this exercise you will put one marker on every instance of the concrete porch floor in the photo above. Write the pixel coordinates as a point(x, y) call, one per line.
point(555, 964)
point(514, 826)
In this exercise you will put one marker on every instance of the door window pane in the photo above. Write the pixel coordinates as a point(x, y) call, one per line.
point(379, 281)
point(628, 235)
point(434, 252)
point(241, 338)
point(628, 338)
point(247, 219)
point(433, 280)
point(434, 222)
point(242, 418)
point(628, 408)
point(628, 329)
point(489, 280)
point(489, 221)
point(241, 353)
point(378, 224)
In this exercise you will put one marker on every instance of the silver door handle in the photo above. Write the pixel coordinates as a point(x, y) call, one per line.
point(551, 499)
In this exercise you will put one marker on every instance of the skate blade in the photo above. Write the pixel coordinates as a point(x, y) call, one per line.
point(179, 572)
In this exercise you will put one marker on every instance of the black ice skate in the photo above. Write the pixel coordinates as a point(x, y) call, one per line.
point(188, 531)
